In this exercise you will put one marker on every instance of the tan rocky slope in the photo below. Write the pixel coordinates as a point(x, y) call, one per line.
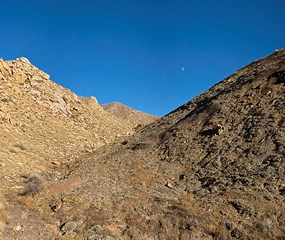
point(211, 169)
point(44, 125)
point(128, 114)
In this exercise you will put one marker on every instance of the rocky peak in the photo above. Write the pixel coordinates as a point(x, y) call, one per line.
point(21, 70)
point(21, 76)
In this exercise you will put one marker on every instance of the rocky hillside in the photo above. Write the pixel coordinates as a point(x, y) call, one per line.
point(211, 169)
point(44, 125)
point(135, 118)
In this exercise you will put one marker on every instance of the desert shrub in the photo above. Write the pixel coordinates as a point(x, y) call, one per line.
point(33, 186)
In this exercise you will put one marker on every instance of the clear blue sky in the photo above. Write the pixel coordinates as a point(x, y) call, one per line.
point(133, 51)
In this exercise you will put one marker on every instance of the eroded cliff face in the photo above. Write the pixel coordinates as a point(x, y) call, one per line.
point(211, 169)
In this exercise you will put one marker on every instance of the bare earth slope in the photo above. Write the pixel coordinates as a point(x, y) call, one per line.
point(211, 169)
point(135, 118)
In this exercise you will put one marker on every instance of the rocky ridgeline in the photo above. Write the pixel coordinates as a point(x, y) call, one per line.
point(19, 77)
point(44, 124)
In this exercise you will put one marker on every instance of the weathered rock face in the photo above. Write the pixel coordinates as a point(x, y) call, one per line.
point(211, 169)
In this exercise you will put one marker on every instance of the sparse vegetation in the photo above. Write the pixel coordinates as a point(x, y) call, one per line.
point(33, 186)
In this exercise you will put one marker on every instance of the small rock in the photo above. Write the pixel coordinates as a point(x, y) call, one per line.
point(55, 163)
point(21, 78)
point(72, 199)
point(93, 232)
point(93, 99)
point(55, 207)
point(37, 78)
point(68, 227)
point(169, 185)
point(17, 228)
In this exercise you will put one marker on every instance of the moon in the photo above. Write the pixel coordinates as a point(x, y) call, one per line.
point(182, 68)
